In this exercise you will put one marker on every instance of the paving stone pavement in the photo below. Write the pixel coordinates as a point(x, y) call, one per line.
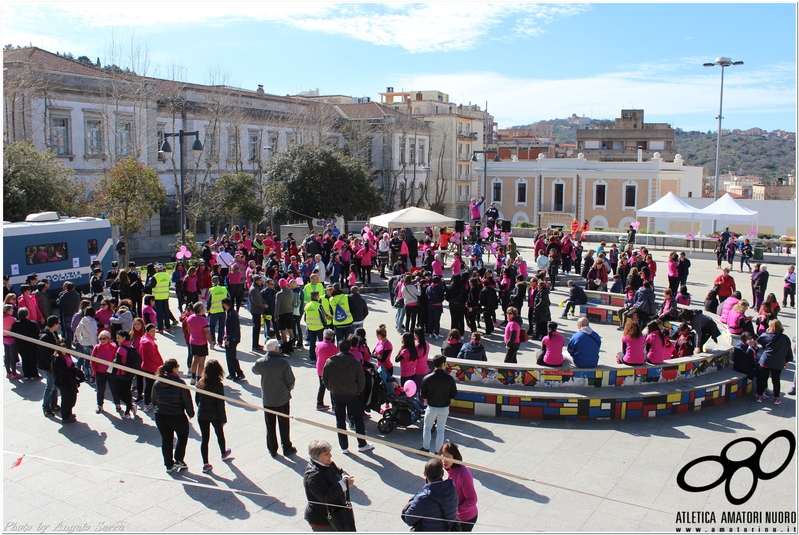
point(106, 474)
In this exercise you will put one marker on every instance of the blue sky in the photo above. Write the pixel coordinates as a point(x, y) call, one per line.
point(528, 61)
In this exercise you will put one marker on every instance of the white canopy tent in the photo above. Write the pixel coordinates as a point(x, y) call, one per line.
point(727, 210)
point(672, 207)
point(411, 217)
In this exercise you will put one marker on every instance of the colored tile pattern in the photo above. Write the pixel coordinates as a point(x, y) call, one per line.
point(605, 408)
point(505, 375)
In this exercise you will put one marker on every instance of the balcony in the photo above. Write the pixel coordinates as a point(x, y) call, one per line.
point(466, 134)
point(556, 208)
point(467, 177)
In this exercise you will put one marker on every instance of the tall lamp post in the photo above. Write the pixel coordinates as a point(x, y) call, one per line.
point(196, 148)
point(485, 163)
point(721, 62)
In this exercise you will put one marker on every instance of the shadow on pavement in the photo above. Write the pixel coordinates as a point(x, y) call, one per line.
point(390, 474)
point(81, 434)
point(509, 488)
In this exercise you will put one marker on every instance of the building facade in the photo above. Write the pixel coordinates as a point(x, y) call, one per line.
point(554, 191)
point(621, 142)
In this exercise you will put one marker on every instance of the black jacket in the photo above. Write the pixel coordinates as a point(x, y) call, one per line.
point(211, 408)
point(232, 325)
point(45, 354)
point(439, 388)
point(456, 294)
point(322, 486)
point(488, 298)
point(541, 305)
point(68, 304)
point(27, 328)
point(171, 400)
point(358, 307)
point(343, 376)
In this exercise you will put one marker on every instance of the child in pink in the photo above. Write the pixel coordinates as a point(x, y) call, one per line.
point(554, 342)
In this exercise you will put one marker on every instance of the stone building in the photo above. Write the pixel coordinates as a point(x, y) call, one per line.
point(621, 142)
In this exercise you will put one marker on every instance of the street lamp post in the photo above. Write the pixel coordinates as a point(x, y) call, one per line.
point(196, 148)
point(721, 62)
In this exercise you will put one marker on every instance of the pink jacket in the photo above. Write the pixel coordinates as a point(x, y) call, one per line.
point(510, 328)
point(461, 476)
point(33, 308)
point(324, 350)
point(726, 307)
point(554, 343)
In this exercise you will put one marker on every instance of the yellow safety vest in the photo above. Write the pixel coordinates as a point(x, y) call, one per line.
point(313, 316)
point(161, 289)
point(319, 287)
point(218, 293)
point(340, 303)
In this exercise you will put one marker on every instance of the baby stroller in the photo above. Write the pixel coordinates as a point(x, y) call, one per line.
point(402, 411)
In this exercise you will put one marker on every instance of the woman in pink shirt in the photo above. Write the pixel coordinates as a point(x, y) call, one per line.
point(461, 476)
point(383, 350)
point(103, 315)
point(673, 272)
point(324, 350)
point(366, 254)
point(106, 350)
point(658, 345)
point(26, 300)
point(512, 335)
point(457, 264)
point(438, 266)
point(552, 344)
point(10, 343)
point(632, 344)
point(407, 358)
point(190, 286)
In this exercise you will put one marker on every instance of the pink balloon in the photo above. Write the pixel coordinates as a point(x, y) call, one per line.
point(410, 388)
point(485, 232)
point(636, 224)
point(504, 240)
point(455, 239)
point(494, 247)
point(690, 236)
point(468, 229)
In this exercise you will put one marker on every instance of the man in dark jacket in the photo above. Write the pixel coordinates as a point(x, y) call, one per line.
point(42, 296)
point(704, 328)
point(438, 390)
point(358, 307)
point(438, 499)
point(576, 297)
point(66, 376)
point(277, 382)
point(343, 376)
point(413, 247)
point(45, 363)
point(473, 349)
point(231, 340)
point(257, 310)
point(68, 304)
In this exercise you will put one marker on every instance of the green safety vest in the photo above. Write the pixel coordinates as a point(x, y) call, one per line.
point(313, 316)
point(218, 293)
point(339, 303)
point(319, 287)
point(161, 289)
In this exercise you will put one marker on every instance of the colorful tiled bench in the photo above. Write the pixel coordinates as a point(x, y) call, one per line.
point(589, 404)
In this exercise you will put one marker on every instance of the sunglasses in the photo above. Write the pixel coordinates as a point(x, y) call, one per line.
point(104, 338)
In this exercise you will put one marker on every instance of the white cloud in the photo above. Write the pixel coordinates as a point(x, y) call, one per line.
point(415, 27)
point(518, 100)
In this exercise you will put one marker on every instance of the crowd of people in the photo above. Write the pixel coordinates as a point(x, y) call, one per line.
point(283, 284)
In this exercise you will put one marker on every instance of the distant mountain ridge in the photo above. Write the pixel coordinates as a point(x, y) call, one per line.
point(769, 155)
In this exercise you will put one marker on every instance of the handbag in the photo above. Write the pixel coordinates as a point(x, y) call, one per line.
point(341, 517)
point(399, 302)
point(523, 335)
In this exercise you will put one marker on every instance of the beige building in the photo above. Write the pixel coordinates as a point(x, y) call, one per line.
point(457, 131)
point(554, 191)
point(621, 142)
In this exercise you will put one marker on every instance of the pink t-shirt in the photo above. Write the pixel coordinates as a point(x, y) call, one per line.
point(509, 328)
point(407, 366)
point(554, 343)
point(8, 322)
point(683, 299)
point(456, 266)
point(352, 279)
point(380, 347)
point(197, 325)
point(324, 350)
point(635, 349)
point(656, 353)
point(235, 277)
point(673, 270)
point(422, 366)
point(190, 284)
point(523, 269)
point(438, 267)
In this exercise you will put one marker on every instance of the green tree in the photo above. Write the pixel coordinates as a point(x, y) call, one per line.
point(236, 198)
point(130, 193)
point(313, 182)
point(35, 181)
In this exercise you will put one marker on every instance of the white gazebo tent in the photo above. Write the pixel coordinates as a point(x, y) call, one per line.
point(411, 217)
point(669, 206)
point(727, 210)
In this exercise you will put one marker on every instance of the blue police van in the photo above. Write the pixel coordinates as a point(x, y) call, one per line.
point(56, 247)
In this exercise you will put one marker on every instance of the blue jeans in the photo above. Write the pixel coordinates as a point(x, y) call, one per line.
point(85, 364)
point(213, 321)
point(313, 338)
point(162, 314)
point(400, 318)
point(343, 332)
point(438, 416)
point(50, 398)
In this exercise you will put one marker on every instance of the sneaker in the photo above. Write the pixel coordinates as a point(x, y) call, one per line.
point(207, 468)
point(9, 375)
point(563, 316)
point(119, 408)
point(424, 449)
point(135, 409)
point(765, 394)
point(181, 465)
point(127, 416)
point(99, 409)
point(431, 335)
point(71, 419)
point(227, 453)
point(345, 451)
point(367, 416)
point(792, 392)
point(759, 399)
point(291, 451)
point(148, 407)
point(48, 413)
point(777, 401)
point(322, 408)
point(366, 447)
point(56, 407)
point(193, 381)
point(139, 399)
point(173, 469)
